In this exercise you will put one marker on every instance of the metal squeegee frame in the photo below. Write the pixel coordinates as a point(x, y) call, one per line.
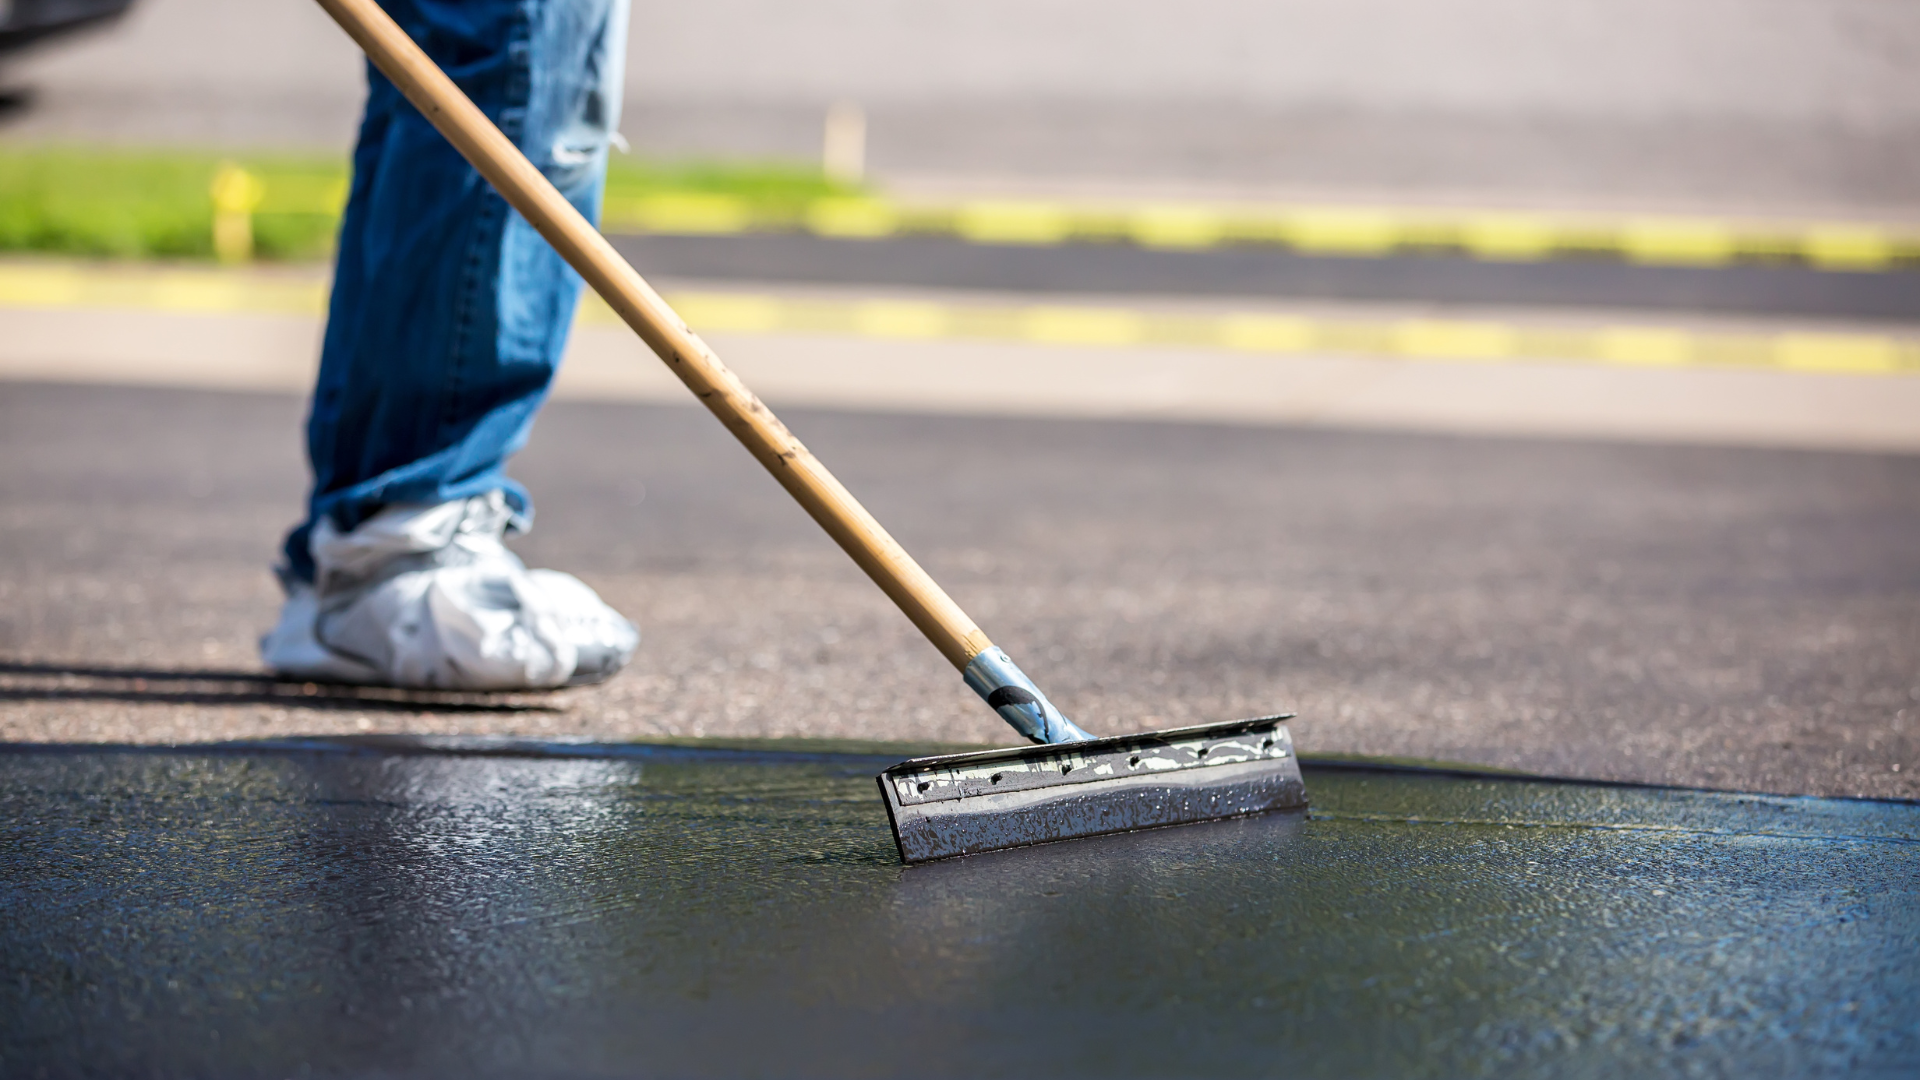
point(961, 804)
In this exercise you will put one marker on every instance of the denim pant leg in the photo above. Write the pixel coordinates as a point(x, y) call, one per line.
point(449, 312)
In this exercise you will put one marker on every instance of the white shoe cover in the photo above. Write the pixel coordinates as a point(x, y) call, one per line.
point(429, 597)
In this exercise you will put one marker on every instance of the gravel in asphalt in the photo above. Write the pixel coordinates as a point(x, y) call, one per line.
point(1732, 618)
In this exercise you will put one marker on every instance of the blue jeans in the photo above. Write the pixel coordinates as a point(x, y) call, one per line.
point(449, 312)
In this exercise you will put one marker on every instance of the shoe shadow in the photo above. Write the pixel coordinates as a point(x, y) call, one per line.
point(30, 681)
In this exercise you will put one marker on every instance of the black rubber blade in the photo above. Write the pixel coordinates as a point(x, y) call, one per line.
point(961, 804)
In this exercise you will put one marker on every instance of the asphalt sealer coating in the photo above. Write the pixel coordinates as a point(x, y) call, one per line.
point(342, 908)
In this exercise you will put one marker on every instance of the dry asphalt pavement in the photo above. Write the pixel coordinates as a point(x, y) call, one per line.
point(1734, 618)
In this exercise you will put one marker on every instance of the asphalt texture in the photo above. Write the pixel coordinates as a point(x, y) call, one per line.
point(1740, 619)
point(332, 911)
point(1122, 269)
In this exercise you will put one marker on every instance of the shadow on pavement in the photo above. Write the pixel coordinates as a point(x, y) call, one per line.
point(24, 681)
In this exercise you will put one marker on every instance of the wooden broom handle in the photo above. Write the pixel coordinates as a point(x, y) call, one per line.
point(622, 287)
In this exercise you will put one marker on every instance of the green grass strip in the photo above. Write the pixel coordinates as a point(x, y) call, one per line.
point(140, 203)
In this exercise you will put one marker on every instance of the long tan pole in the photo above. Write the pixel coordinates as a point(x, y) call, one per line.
point(577, 241)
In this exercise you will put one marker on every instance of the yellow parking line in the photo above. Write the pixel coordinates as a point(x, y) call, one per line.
point(1353, 231)
point(54, 286)
point(1320, 230)
point(1426, 339)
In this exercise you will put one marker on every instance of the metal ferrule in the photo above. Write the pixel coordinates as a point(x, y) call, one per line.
point(1018, 701)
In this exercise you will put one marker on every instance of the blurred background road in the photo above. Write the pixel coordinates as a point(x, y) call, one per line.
point(1797, 106)
point(1635, 503)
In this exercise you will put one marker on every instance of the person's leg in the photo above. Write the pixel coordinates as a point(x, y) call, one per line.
point(449, 313)
point(448, 319)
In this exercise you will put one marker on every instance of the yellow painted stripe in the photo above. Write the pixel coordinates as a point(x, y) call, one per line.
point(1427, 339)
point(1321, 230)
point(1325, 230)
point(55, 286)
